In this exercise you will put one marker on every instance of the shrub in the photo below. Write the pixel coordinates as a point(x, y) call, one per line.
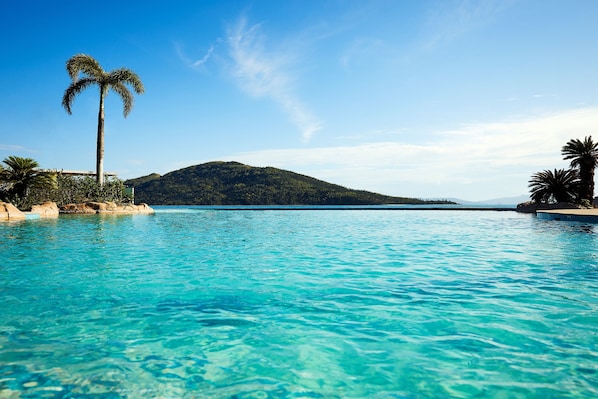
point(79, 189)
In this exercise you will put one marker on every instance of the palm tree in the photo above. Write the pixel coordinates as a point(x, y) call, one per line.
point(4, 185)
point(584, 156)
point(558, 186)
point(22, 174)
point(93, 74)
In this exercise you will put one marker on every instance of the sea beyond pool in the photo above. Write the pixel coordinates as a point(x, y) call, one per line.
point(196, 302)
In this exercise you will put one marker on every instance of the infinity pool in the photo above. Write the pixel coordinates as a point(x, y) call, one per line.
point(203, 303)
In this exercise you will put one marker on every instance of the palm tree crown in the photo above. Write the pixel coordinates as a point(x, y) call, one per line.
point(22, 174)
point(558, 186)
point(584, 156)
point(118, 80)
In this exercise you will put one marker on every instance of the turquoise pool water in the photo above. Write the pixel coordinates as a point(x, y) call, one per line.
point(195, 303)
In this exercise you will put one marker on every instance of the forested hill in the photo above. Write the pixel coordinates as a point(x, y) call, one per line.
point(233, 183)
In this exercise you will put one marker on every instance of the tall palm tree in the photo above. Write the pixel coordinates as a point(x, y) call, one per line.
point(584, 156)
point(22, 174)
point(93, 74)
point(558, 186)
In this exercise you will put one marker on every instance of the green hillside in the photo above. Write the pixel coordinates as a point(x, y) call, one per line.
point(232, 183)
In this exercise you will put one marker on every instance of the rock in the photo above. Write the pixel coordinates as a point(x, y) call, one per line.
point(532, 207)
point(108, 208)
point(48, 209)
point(97, 206)
point(10, 212)
point(127, 209)
point(78, 209)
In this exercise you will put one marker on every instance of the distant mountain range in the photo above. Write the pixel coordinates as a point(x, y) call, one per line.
point(233, 183)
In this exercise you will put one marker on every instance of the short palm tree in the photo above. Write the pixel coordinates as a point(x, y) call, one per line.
point(558, 186)
point(584, 156)
point(22, 174)
point(93, 74)
point(3, 183)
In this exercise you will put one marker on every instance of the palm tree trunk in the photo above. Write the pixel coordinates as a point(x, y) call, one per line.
point(591, 186)
point(586, 173)
point(100, 145)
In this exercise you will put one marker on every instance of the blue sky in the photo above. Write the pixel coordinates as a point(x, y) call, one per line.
point(424, 99)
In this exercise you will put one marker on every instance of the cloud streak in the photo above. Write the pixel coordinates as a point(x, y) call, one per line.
point(9, 147)
point(451, 20)
point(205, 58)
point(190, 62)
point(263, 73)
point(483, 160)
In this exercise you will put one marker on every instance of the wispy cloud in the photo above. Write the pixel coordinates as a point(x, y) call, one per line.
point(7, 150)
point(480, 161)
point(193, 63)
point(452, 19)
point(205, 58)
point(540, 95)
point(14, 148)
point(263, 72)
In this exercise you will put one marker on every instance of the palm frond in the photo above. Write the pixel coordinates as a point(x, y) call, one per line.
point(558, 186)
point(20, 175)
point(128, 77)
point(19, 165)
point(73, 90)
point(584, 156)
point(44, 181)
point(83, 63)
point(581, 152)
point(125, 95)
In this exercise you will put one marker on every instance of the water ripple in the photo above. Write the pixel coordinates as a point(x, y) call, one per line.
point(301, 304)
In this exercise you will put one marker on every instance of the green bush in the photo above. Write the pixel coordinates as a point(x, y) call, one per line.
point(78, 189)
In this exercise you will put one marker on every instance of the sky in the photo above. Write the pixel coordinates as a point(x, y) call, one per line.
point(427, 99)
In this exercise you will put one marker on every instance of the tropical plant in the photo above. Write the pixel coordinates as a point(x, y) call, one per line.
point(79, 189)
point(94, 74)
point(21, 175)
point(558, 186)
point(4, 185)
point(583, 156)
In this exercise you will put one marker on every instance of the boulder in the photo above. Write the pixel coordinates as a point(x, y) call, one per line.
point(78, 209)
point(106, 208)
point(125, 209)
point(10, 212)
point(532, 207)
point(48, 209)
